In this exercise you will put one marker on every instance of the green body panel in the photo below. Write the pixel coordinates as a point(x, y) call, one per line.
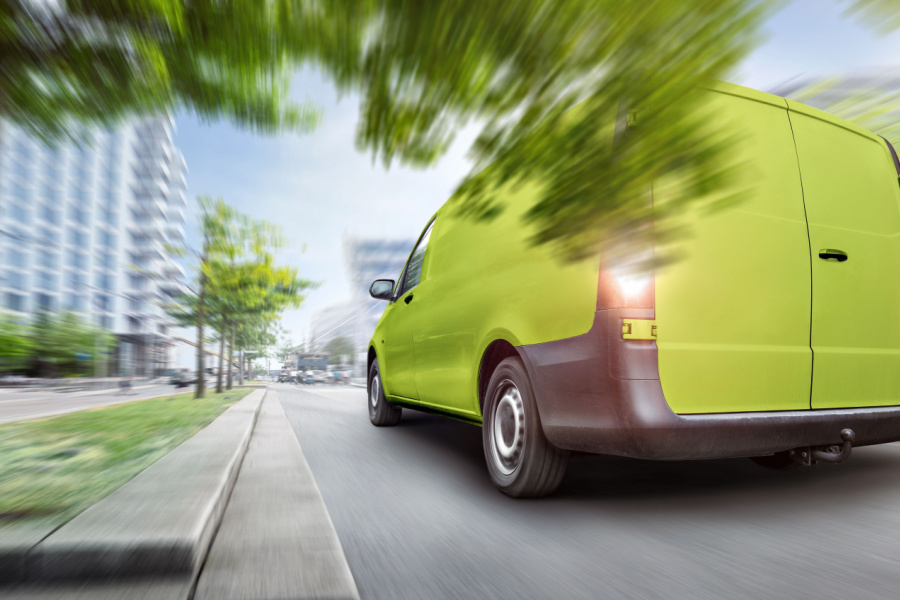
point(748, 319)
point(395, 336)
point(483, 281)
point(733, 314)
point(853, 205)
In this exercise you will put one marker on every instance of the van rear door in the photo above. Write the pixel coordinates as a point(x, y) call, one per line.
point(733, 314)
point(853, 209)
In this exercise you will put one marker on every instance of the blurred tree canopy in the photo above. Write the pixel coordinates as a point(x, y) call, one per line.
point(423, 70)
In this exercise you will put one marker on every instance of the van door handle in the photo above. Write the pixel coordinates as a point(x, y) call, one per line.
point(831, 254)
point(408, 299)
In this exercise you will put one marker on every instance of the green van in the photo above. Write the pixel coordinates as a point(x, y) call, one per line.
point(775, 337)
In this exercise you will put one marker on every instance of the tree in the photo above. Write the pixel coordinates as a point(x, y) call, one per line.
point(77, 61)
point(241, 289)
point(16, 345)
point(64, 344)
point(423, 70)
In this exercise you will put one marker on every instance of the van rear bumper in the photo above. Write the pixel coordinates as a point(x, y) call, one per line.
point(601, 394)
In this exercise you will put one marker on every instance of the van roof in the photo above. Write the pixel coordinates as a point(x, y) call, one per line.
point(740, 91)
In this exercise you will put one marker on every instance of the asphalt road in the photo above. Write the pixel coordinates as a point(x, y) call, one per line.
point(418, 518)
point(19, 404)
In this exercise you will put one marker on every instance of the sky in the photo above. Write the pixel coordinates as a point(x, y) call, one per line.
point(319, 188)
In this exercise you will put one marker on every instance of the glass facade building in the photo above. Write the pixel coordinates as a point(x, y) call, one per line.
point(84, 228)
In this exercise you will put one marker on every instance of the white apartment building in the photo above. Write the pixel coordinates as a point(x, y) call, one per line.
point(85, 227)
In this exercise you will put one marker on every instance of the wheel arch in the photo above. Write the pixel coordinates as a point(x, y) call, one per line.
point(373, 356)
point(496, 351)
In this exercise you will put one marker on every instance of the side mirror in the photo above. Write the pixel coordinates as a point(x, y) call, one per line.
point(382, 289)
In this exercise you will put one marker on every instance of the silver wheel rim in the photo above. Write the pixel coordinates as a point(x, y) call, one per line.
point(508, 428)
point(373, 392)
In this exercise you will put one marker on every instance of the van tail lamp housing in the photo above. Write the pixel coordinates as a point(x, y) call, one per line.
point(619, 289)
point(638, 329)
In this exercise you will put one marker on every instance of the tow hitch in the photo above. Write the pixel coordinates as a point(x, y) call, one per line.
point(834, 454)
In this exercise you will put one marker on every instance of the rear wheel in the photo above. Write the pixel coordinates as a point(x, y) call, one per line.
point(381, 412)
point(521, 461)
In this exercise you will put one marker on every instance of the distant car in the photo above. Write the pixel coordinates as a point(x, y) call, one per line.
point(184, 379)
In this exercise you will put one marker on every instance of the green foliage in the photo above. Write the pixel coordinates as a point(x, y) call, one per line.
point(241, 289)
point(55, 468)
point(70, 61)
point(53, 345)
point(423, 70)
point(16, 345)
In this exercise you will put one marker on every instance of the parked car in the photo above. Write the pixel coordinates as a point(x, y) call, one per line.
point(184, 378)
point(776, 337)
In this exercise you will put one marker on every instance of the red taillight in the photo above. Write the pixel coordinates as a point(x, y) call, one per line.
point(621, 289)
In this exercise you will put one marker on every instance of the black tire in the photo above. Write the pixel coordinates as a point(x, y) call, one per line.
point(381, 412)
point(780, 461)
point(521, 461)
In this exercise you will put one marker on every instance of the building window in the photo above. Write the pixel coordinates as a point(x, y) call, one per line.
point(43, 302)
point(108, 261)
point(15, 258)
point(106, 323)
point(110, 216)
point(16, 280)
point(74, 302)
point(51, 237)
point(15, 302)
point(47, 281)
point(20, 191)
point(103, 281)
point(50, 214)
point(49, 260)
point(78, 260)
point(109, 240)
point(138, 282)
point(51, 194)
point(78, 238)
point(103, 303)
point(19, 213)
point(78, 215)
point(76, 280)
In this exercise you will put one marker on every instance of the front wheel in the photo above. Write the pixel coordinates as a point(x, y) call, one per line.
point(521, 461)
point(381, 412)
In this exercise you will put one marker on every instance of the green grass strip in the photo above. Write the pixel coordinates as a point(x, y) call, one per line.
point(54, 468)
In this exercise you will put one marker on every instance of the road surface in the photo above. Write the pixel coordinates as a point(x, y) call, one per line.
point(419, 518)
point(19, 404)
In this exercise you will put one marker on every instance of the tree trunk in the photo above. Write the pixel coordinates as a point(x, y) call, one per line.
point(241, 371)
point(231, 357)
point(222, 333)
point(201, 387)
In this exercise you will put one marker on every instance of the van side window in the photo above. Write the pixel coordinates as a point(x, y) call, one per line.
point(414, 265)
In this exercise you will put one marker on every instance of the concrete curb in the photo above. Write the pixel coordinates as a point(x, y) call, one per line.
point(276, 539)
point(159, 523)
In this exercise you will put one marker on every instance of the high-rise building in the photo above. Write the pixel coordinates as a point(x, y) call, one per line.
point(366, 260)
point(85, 227)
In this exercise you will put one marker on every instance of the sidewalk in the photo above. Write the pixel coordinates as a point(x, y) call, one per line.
point(150, 538)
point(276, 539)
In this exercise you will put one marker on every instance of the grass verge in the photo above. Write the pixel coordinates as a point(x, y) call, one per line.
point(54, 468)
